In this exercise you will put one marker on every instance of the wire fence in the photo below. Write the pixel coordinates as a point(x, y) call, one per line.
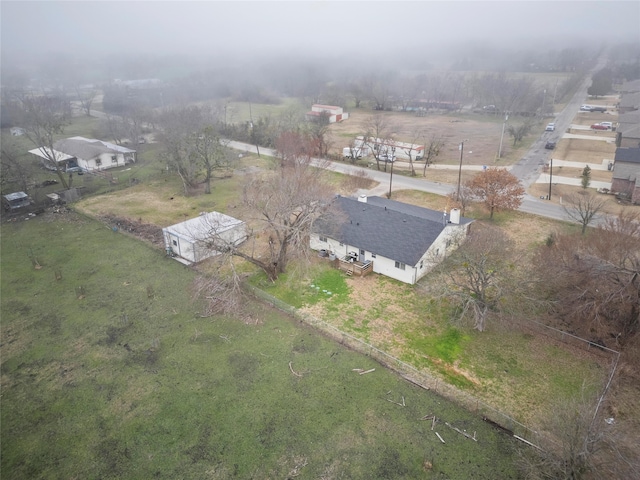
point(436, 385)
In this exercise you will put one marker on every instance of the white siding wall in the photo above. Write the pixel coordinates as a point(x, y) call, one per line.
point(180, 246)
point(387, 267)
point(195, 251)
point(105, 162)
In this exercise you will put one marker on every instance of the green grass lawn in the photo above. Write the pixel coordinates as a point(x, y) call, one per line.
point(108, 371)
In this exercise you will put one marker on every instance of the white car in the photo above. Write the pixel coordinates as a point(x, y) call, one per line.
point(550, 127)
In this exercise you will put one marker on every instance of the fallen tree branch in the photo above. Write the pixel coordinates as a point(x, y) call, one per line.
point(461, 432)
point(368, 371)
point(439, 437)
point(295, 373)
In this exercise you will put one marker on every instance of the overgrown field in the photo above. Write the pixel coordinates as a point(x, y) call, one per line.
point(109, 372)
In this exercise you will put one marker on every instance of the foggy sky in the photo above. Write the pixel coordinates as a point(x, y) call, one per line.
point(325, 28)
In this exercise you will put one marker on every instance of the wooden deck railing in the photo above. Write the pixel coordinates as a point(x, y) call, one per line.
point(354, 268)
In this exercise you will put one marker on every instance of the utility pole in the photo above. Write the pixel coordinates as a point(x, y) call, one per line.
point(504, 124)
point(393, 159)
point(461, 147)
point(550, 176)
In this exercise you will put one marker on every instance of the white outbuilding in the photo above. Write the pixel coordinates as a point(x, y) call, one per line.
point(194, 240)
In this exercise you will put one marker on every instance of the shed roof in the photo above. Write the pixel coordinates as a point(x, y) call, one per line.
point(204, 226)
point(395, 230)
point(16, 196)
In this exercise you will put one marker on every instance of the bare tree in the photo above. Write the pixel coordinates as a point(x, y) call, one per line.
point(15, 168)
point(583, 208)
point(86, 98)
point(497, 189)
point(210, 153)
point(593, 281)
point(45, 118)
point(460, 200)
point(416, 135)
point(290, 146)
point(113, 126)
point(581, 445)
point(180, 127)
point(432, 149)
point(286, 205)
point(378, 134)
point(518, 132)
point(476, 275)
point(318, 127)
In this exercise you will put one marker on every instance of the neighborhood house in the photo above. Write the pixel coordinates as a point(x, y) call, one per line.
point(86, 154)
point(395, 239)
point(194, 240)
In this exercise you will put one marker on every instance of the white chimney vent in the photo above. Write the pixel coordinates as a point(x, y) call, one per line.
point(454, 216)
point(362, 198)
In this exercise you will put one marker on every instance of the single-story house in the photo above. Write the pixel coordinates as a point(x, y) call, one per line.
point(402, 241)
point(194, 240)
point(626, 173)
point(87, 154)
point(334, 114)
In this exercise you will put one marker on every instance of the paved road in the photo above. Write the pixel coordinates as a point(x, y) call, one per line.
point(527, 169)
point(530, 204)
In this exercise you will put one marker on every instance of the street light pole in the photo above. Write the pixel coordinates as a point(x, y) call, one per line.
point(461, 147)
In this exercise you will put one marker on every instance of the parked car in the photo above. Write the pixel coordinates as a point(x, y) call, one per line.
point(550, 127)
point(599, 126)
point(609, 125)
point(585, 108)
point(550, 145)
point(598, 109)
point(387, 158)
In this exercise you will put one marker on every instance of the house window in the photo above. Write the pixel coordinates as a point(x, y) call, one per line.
point(421, 264)
point(323, 239)
point(373, 255)
point(400, 265)
point(114, 159)
point(175, 243)
point(98, 162)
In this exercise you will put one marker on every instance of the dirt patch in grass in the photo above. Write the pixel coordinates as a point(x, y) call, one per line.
point(481, 134)
point(559, 194)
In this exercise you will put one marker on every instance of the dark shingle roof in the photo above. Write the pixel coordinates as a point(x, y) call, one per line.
point(385, 227)
point(628, 155)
